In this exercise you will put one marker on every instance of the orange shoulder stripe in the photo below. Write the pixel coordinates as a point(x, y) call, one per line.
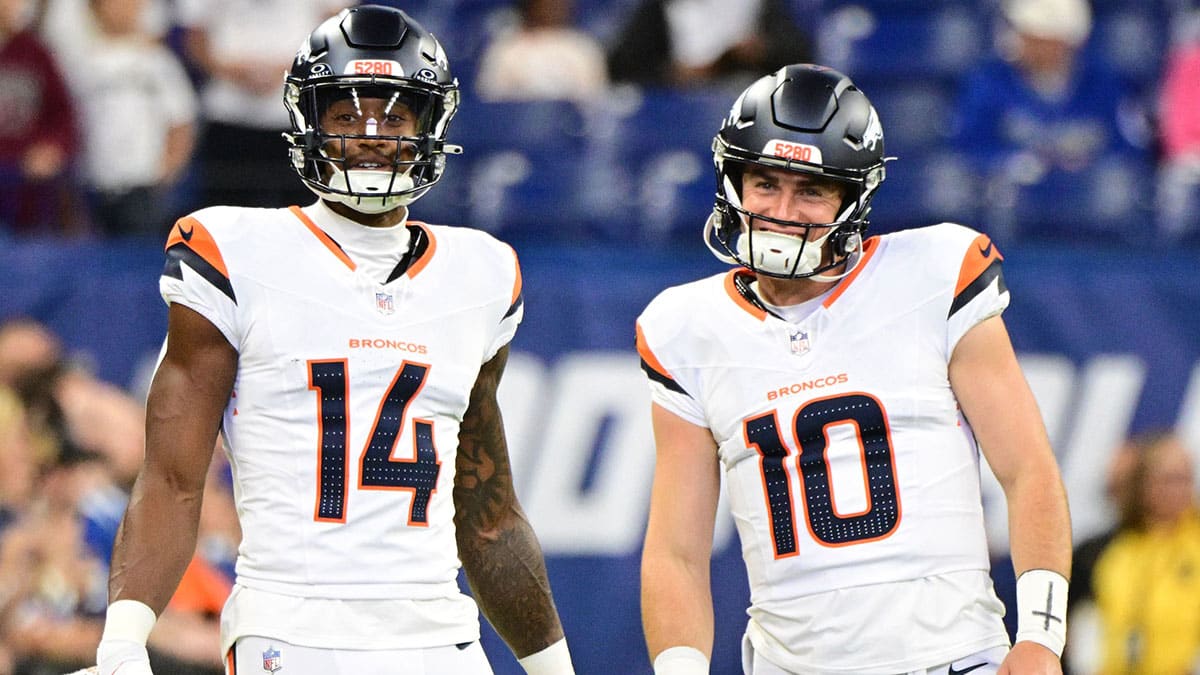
point(980, 255)
point(517, 282)
point(648, 357)
point(189, 232)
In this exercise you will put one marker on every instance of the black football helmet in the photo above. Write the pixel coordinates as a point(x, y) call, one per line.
point(371, 52)
point(804, 118)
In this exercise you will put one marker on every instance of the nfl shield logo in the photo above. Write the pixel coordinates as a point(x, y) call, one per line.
point(385, 303)
point(272, 661)
point(799, 341)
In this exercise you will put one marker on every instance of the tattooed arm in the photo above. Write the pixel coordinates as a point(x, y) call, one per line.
point(498, 548)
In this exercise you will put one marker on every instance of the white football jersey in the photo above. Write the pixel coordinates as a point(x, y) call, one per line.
point(851, 474)
point(342, 429)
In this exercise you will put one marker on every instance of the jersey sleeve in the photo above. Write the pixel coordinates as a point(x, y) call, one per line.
point(665, 389)
point(979, 292)
point(196, 277)
point(507, 327)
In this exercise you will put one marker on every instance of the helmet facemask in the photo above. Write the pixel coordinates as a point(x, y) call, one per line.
point(804, 119)
point(792, 252)
point(372, 143)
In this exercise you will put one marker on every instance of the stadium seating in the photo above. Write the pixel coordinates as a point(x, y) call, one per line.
point(1132, 37)
point(1107, 203)
point(890, 39)
point(923, 188)
point(519, 168)
point(638, 165)
point(916, 112)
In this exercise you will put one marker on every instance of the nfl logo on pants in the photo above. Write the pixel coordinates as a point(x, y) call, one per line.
point(272, 661)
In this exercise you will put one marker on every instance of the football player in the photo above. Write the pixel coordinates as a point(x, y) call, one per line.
point(350, 356)
point(843, 388)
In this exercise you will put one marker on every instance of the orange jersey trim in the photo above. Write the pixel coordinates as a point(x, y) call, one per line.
point(648, 357)
point(419, 264)
point(189, 232)
point(980, 255)
point(517, 281)
point(322, 237)
point(732, 291)
point(870, 246)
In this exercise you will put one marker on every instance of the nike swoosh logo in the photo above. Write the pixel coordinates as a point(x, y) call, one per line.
point(986, 252)
point(186, 234)
point(951, 670)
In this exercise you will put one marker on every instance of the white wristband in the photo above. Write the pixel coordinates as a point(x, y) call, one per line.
point(129, 620)
point(681, 661)
point(1042, 609)
point(553, 660)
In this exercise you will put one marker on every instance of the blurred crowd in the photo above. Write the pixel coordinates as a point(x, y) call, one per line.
point(121, 115)
point(71, 446)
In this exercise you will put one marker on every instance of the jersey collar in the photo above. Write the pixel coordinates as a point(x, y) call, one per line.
point(737, 285)
point(421, 247)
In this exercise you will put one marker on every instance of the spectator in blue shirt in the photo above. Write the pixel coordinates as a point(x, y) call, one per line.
point(1042, 95)
point(1046, 108)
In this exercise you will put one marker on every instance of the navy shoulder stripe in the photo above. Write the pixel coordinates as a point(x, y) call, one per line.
point(181, 254)
point(172, 268)
point(993, 271)
point(662, 379)
point(512, 309)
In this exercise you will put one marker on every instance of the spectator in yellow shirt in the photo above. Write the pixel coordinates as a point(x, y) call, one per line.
point(1147, 581)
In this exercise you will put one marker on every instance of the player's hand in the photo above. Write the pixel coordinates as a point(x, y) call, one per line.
point(1030, 658)
point(122, 657)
